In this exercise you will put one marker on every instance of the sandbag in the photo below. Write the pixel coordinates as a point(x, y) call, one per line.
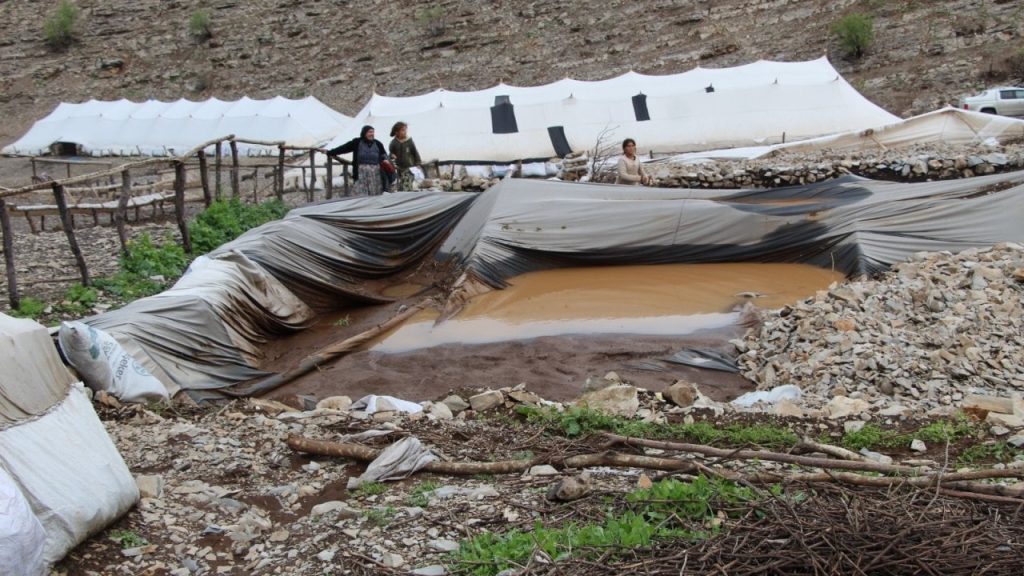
point(104, 364)
point(21, 535)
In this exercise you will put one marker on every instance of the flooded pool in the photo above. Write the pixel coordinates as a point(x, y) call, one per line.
point(671, 299)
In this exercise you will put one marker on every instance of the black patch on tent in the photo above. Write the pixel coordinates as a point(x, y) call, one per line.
point(503, 116)
point(559, 141)
point(640, 107)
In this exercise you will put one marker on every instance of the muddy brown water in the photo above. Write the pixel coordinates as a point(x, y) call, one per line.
point(551, 330)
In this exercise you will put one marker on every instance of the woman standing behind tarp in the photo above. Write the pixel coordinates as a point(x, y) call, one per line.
point(630, 169)
point(403, 150)
point(367, 156)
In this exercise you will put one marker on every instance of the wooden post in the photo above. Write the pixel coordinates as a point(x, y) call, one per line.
point(68, 164)
point(344, 173)
point(329, 182)
point(280, 172)
point(69, 231)
point(121, 214)
point(234, 170)
point(256, 185)
point(179, 205)
point(216, 168)
point(204, 178)
point(12, 274)
point(312, 176)
point(34, 176)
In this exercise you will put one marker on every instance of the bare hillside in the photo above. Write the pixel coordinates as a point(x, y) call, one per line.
point(925, 53)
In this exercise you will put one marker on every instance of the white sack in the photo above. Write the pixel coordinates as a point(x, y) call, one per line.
point(773, 396)
point(373, 403)
point(21, 535)
point(396, 462)
point(104, 364)
point(69, 471)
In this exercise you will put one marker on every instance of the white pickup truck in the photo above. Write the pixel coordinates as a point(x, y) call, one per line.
point(1006, 101)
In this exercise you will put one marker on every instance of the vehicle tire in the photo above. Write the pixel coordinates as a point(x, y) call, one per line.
point(987, 110)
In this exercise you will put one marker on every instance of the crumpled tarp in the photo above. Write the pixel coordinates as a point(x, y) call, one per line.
point(850, 224)
point(397, 461)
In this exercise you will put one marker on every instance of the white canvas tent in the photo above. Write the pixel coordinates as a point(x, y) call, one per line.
point(53, 446)
point(156, 128)
point(947, 126)
point(754, 104)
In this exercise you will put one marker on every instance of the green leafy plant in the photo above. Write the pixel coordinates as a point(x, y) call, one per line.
point(988, 452)
point(381, 516)
point(29, 307)
point(854, 33)
point(127, 538)
point(343, 322)
point(59, 28)
point(226, 220)
point(199, 25)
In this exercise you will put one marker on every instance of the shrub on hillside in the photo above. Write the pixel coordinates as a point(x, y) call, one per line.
point(199, 25)
point(854, 32)
point(59, 28)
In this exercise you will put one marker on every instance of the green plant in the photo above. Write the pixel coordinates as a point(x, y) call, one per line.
point(995, 451)
point(418, 496)
point(855, 33)
point(226, 220)
point(59, 28)
point(199, 25)
point(370, 489)
point(381, 516)
point(127, 538)
point(343, 322)
point(29, 307)
point(661, 511)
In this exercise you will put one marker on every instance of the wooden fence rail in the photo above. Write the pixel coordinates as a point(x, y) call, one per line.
point(84, 184)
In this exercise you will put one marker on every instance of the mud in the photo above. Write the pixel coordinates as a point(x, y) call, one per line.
point(551, 330)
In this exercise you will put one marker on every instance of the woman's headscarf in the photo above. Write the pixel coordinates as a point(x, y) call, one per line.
point(362, 133)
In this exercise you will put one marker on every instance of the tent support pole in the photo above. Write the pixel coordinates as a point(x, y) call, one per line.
point(69, 231)
point(312, 176)
point(235, 176)
point(179, 204)
point(12, 274)
point(280, 173)
point(329, 182)
point(121, 214)
point(217, 161)
point(204, 177)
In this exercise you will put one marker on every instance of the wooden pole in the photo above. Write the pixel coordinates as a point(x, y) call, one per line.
point(69, 231)
point(34, 176)
point(12, 275)
point(218, 158)
point(179, 205)
point(234, 170)
point(280, 173)
point(329, 182)
point(204, 178)
point(121, 214)
point(256, 185)
point(345, 178)
point(312, 176)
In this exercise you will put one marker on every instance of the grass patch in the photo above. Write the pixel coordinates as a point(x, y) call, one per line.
point(418, 496)
point(381, 516)
point(872, 436)
point(343, 322)
point(59, 28)
point(199, 25)
point(577, 421)
point(127, 538)
point(989, 452)
point(370, 489)
point(668, 509)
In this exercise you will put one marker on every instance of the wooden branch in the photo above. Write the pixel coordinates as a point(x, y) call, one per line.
point(217, 162)
point(13, 297)
point(764, 455)
point(69, 231)
point(234, 170)
point(329, 181)
point(808, 445)
point(204, 178)
point(179, 206)
point(279, 189)
point(121, 214)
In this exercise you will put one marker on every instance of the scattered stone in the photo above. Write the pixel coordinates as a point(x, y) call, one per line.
point(441, 411)
point(852, 426)
point(842, 407)
point(1007, 420)
point(392, 560)
point(614, 400)
point(334, 506)
point(787, 407)
point(570, 488)
point(443, 545)
point(682, 393)
point(1016, 441)
point(455, 403)
point(876, 456)
point(486, 400)
point(999, 431)
point(543, 470)
point(339, 403)
point(432, 570)
point(150, 486)
point(918, 445)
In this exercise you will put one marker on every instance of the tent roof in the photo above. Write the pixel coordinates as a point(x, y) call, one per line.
point(756, 103)
point(156, 128)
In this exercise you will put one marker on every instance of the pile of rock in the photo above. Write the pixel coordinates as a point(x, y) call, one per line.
point(914, 164)
point(923, 338)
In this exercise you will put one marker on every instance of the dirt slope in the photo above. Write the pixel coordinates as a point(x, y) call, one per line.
point(925, 53)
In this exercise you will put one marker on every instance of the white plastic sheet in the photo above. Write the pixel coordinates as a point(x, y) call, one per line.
point(773, 396)
point(21, 535)
point(397, 461)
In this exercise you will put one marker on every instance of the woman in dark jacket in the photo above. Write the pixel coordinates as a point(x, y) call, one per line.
point(367, 154)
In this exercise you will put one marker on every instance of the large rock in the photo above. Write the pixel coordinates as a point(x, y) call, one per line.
point(486, 400)
point(614, 400)
point(842, 407)
point(682, 393)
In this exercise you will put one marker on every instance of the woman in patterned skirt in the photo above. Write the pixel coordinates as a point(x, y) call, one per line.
point(367, 154)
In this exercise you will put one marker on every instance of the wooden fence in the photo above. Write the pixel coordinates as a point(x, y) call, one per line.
point(118, 210)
